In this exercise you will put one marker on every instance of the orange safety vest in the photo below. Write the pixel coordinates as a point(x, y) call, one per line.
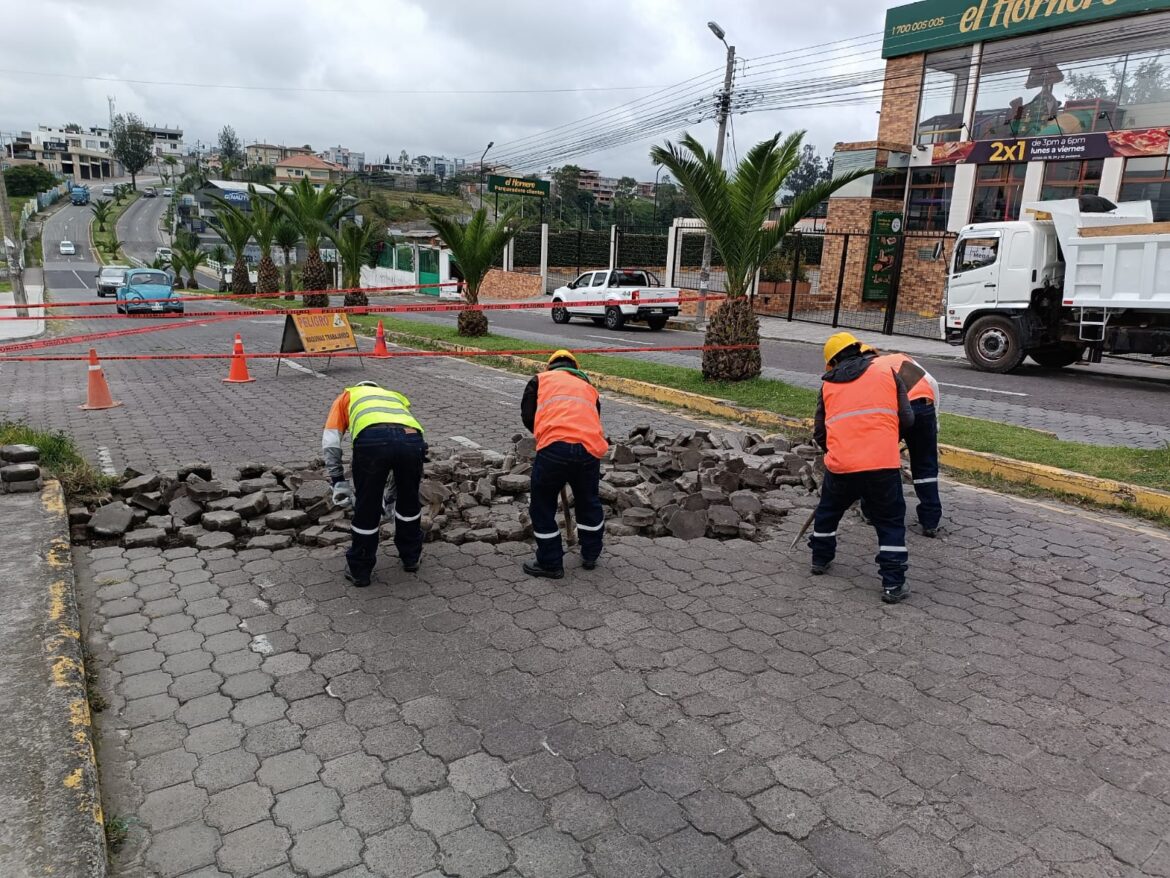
point(861, 422)
point(566, 411)
point(912, 375)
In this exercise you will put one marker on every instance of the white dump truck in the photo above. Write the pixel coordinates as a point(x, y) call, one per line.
point(1075, 280)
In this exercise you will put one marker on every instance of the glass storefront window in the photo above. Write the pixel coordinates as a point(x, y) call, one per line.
point(1104, 77)
point(1147, 179)
point(998, 192)
point(944, 94)
point(928, 203)
point(1071, 179)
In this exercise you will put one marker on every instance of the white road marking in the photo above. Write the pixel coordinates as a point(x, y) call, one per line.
point(465, 442)
point(84, 285)
point(613, 340)
point(982, 389)
point(106, 461)
point(293, 364)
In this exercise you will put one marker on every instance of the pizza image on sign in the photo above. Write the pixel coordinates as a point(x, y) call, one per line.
point(1151, 141)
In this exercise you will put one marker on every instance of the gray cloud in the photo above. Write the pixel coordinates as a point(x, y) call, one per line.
point(394, 45)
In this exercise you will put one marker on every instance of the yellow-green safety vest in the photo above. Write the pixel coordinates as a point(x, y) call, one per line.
point(375, 405)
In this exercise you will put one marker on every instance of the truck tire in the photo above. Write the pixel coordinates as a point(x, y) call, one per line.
point(993, 344)
point(559, 313)
point(1057, 358)
point(656, 323)
point(614, 319)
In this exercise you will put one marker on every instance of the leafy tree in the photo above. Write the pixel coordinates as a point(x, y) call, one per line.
point(354, 245)
point(72, 128)
point(286, 236)
point(474, 246)
point(235, 228)
point(21, 180)
point(230, 148)
point(131, 144)
point(265, 219)
point(735, 208)
point(314, 212)
point(219, 255)
point(813, 169)
point(260, 174)
point(624, 196)
point(567, 180)
point(101, 212)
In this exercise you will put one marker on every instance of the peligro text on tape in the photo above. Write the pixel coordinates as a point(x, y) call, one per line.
point(107, 358)
point(89, 337)
point(371, 309)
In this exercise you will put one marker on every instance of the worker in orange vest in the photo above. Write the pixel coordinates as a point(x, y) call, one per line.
point(862, 411)
point(922, 438)
point(563, 410)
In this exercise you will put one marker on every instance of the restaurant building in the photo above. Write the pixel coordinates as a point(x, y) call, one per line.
point(990, 104)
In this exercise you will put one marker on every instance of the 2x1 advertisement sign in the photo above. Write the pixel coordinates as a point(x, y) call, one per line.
point(1090, 145)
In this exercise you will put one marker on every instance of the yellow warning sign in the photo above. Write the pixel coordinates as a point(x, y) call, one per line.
point(318, 333)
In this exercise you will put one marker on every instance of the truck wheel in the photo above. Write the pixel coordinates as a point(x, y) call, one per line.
point(1057, 358)
point(656, 323)
point(614, 319)
point(993, 345)
point(598, 321)
point(560, 314)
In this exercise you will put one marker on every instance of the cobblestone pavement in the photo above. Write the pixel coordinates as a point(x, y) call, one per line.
point(700, 709)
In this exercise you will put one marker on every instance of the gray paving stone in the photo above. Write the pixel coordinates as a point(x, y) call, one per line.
point(247, 685)
point(718, 814)
point(212, 738)
point(177, 851)
point(787, 811)
point(259, 709)
point(391, 741)
point(226, 769)
point(238, 807)
point(415, 773)
point(650, 814)
point(478, 775)
point(288, 770)
point(543, 775)
point(401, 852)
point(144, 711)
point(510, 812)
point(838, 852)
point(164, 769)
point(352, 772)
point(768, 855)
point(580, 814)
point(690, 854)
point(253, 849)
point(204, 709)
point(274, 737)
point(473, 852)
point(325, 849)
point(608, 775)
point(191, 686)
point(451, 741)
point(157, 737)
point(546, 853)
point(441, 811)
point(333, 740)
point(374, 809)
point(172, 806)
point(142, 685)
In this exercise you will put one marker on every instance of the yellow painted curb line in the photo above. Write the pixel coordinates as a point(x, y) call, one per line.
point(1103, 491)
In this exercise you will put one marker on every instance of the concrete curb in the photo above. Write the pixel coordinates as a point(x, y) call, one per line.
point(58, 818)
point(1105, 492)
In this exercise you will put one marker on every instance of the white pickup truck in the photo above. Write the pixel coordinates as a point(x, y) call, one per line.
point(628, 294)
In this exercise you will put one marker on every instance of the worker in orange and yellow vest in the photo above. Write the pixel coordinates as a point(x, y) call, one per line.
point(387, 442)
point(563, 410)
point(922, 438)
point(862, 411)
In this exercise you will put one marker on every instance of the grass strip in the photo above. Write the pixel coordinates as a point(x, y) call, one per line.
point(101, 240)
point(59, 456)
point(1141, 466)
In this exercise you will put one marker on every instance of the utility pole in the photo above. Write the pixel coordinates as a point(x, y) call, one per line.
point(724, 112)
point(15, 257)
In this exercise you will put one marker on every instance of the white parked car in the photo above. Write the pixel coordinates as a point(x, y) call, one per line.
point(66, 248)
point(163, 253)
point(168, 192)
point(108, 190)
point(622, 295)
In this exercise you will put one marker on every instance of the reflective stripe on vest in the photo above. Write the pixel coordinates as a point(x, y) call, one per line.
point(373, 405)
point(912, 375)
point(566, 411)
point(861, 422)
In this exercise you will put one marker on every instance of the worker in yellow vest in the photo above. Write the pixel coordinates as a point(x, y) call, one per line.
point(387, 441)
point(563, 410)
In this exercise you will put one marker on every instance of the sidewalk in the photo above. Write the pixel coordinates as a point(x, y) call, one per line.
point(34, 289)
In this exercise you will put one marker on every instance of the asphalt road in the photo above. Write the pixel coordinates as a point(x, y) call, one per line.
point(1095, 405)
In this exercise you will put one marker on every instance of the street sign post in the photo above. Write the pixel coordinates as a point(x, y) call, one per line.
point(317, 334)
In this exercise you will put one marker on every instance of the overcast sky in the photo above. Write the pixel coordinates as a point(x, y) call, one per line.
point(395, 46)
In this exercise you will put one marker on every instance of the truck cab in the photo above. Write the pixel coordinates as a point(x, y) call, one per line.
point(1076, 278)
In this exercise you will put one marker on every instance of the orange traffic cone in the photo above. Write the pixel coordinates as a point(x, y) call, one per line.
point(238, 373)
point(380, 352)
point(98, 396)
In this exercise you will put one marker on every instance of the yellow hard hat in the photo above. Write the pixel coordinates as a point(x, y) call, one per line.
point(840, 341)
point(562, 354)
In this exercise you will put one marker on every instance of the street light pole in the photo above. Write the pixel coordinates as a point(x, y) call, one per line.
point(491, 143)
point(724, 112)
point(656, 173)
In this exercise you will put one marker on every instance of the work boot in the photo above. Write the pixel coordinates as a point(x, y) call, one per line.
point(356, 581)
point(817, 569)
point(895, 595)
point(534, 569)
point(412, 567)
point(588, 563)
point(929, 531)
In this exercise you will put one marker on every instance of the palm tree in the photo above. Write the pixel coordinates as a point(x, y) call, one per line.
point(286, 236)
point(474, 246)
point(265, 219)
point(219, 256)
point(113, 245)
point(236, 230)
point(314, 212)
point(735, 209)
point(101, 212)
point(188, 259)
point(355, 244)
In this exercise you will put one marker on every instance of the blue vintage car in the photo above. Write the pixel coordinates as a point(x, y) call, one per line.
point(148, 291)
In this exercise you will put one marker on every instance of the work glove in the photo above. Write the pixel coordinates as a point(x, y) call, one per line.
point(342, 495)
point(388, 498)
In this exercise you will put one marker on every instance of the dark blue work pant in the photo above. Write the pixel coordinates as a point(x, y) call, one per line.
point(557, 465)
point(378, 452)
point(922, 442)
point(881, 492)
